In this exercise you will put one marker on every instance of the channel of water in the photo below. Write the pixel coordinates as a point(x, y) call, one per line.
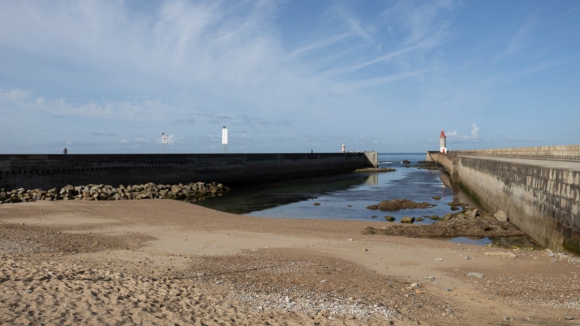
point(346, 196)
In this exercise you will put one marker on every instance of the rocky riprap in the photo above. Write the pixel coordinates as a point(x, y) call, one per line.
point(196, 191)
point(470, 223)
point(426, 165)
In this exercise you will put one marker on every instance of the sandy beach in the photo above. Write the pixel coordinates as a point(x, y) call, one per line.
point(164, 262)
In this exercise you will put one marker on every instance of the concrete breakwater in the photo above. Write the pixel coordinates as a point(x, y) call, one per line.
point(538, 188)
point(194, 192)
point(50, 171)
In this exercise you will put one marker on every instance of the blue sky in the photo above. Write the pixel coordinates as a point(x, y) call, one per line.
point(287, 76)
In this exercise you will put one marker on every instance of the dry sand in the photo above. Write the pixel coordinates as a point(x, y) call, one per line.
point(163, 262)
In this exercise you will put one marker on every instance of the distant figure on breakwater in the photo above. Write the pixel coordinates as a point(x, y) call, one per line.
point(311, 151)
point(65, 151)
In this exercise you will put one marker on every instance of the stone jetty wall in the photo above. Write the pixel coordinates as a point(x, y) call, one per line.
point(542, 198)
point(50, 171)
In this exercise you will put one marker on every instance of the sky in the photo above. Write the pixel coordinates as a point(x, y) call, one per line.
point(287, 76)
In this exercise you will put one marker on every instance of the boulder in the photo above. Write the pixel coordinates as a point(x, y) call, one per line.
point(501, 216)
point(407, 219)
point(472, 214)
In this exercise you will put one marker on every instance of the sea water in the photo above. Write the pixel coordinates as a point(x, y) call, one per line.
point(345, 196)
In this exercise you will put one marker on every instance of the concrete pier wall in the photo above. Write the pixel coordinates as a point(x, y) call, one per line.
point(555, 153)
point(538, 188)
point(48, 171)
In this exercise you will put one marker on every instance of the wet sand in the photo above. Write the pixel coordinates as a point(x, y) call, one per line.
point(163, 262)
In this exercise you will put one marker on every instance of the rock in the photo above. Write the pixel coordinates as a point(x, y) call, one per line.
point(473, 274)
point(502, 255)
point(407, 219)
point(501, 216)
point(398, 204)
point(438, 259)
point(447, 217)
point(389, 218)
point(568, 317)
point(472, 214)
point(406, 162)
point(454, 208)
point(436, 197)
point(316, 204)
point(467, 258)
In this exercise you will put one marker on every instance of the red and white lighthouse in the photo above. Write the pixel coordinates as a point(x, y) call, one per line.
point(443, 142)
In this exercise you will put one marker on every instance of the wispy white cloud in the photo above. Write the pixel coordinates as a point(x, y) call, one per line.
point(521, 37)
point(17, 99)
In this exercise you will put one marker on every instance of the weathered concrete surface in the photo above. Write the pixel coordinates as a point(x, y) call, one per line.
point(541, 195)
point(48, 171)
point(552, 153)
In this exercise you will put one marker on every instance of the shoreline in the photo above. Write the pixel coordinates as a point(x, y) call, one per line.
point(257, 270)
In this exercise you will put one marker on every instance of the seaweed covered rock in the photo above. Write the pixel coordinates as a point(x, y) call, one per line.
point(398, 204)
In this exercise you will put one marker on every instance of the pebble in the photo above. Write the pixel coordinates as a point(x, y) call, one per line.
point(567, 317)
point(348, 239)
point(438, 259)
point(430, 277)
point(467, 258)
point(478, 275)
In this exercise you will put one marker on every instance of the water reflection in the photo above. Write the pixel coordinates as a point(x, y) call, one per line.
point(372, 180)
point(255, 198)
